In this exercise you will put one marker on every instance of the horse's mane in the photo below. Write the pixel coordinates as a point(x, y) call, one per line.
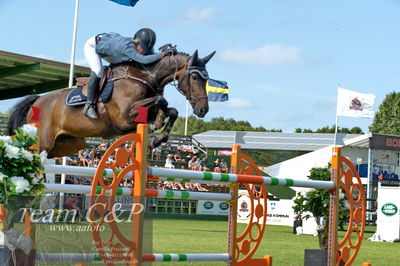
point(140, 65)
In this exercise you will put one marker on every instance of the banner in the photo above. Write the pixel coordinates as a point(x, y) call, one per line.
point(355, 104)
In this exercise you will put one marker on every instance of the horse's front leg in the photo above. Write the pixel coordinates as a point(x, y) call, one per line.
point(172, 115)
point(154, 104)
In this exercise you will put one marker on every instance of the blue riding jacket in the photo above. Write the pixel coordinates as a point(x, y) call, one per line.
point(117, 49)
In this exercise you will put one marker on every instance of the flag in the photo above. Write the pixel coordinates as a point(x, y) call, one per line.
point(355, 104)
point(126, 2)
point(217, 91)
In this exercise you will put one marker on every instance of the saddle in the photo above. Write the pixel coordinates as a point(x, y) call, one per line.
point(78, 95)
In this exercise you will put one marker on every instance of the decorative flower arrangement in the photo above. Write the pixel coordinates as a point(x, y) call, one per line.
point(20, 168)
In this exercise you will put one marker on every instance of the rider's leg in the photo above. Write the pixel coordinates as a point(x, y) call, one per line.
point(92, 88)
point(96, 66)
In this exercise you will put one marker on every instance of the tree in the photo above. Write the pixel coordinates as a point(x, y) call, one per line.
point(217, 123)
point(387, 119)
point(316, 202)
point(327, 129)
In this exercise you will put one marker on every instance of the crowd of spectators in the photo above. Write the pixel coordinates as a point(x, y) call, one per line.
point(92, 157)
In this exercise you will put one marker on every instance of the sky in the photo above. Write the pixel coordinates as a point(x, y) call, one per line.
point(282, 59)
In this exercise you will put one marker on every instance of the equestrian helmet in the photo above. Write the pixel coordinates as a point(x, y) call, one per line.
point(146, 38)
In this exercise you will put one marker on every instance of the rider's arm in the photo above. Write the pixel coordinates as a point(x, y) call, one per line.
point(130, 51)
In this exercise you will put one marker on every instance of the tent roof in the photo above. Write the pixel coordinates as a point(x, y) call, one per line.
point(21, 75)
point(270, 140)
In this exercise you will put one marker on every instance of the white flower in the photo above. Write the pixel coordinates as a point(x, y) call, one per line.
point(35, 178)
point(21, 184)
point(43, 156)
point(5, 139)
point(2, 176)
point(11, 151)
point(30, 130)
point(28, 155)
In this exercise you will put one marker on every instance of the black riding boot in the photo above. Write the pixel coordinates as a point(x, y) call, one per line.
point(93, 86)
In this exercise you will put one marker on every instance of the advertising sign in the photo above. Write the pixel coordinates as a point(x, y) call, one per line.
point(385, 142)
point(278, 212)
point(212, 207)
point(388, 221)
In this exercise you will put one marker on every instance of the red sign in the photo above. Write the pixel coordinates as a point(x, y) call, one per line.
point(225, 153)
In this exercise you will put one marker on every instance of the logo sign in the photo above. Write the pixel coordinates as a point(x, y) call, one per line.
point(208, 205)
point(389, 209)
point(224, 206)
point(356, 104)
point(244, 201)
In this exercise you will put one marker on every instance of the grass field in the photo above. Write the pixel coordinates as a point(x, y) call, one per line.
point(194, 236)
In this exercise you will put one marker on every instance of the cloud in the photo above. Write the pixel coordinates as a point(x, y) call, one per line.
point(267, 55)
point(43, 56)
point(237, 103)
point(195, 16)
point(293, 118)
point(271, 89)
point(81, 62)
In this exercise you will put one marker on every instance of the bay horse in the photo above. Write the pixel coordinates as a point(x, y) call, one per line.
point(63, 128)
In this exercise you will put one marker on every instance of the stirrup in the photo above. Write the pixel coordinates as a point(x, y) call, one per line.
point(90, 111)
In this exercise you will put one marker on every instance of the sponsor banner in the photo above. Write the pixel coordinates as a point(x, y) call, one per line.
point(278, 212)
point(224, 153)
point(384, 142)
point(212, 207)
point(388, 221)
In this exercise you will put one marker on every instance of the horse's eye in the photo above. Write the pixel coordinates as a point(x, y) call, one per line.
point(194, 77)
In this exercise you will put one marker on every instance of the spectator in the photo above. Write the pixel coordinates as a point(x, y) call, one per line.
point(156, 152)
point(203, 164)
point(82, 158)
point(191, 163)
point(198, 187)
point(216, 166)
point(169, 162)
point(177, 158)
point(103, 146)
point(197, 165)
point(223, 166)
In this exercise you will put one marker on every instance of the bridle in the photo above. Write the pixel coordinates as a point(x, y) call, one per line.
point(189, 71)
point(192, 98)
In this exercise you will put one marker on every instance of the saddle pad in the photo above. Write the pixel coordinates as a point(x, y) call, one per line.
point(75, 97)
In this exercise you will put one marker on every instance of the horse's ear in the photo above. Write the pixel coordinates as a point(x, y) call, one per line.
point(193, 59)
point(208, 57)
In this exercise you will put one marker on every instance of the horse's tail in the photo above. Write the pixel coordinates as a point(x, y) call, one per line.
point(20, 111)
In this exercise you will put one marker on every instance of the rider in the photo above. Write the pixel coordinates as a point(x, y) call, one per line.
point(115, 48)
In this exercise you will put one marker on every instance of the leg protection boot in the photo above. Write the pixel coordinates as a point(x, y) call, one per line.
point(93, 87)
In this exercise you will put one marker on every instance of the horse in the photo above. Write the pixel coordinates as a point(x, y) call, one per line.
point(63, 128)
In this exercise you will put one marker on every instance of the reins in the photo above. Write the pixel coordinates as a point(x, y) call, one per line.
point(192, 98)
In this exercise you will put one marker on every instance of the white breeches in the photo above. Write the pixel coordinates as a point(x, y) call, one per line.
point(93, 59)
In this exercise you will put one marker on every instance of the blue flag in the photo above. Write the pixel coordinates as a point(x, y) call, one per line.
point(126, 2)
point(217, 91)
